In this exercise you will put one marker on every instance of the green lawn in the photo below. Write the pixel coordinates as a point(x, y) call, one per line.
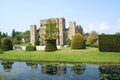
point(63, 55)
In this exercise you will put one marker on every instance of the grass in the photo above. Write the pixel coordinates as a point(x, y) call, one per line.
point(89, 55)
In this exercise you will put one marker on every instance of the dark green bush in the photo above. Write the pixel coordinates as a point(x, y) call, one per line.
point(6, 44)
point(30, 48)
point(109, 43)
point(37, 42)
point(50, 45)
point(78, 42)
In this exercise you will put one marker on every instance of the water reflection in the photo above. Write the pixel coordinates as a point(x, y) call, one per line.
point(54, 69)
point(79, 68)
point(33, 65)
point(109, 72)
point(7, 65)
point(57, 71)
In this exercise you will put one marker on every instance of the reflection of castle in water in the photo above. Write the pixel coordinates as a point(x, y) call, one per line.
point(54, 69)
point(7, 65)
point(61, 69)
point(109, 72)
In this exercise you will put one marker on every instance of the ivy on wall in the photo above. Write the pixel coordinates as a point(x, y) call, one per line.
point(51, 29)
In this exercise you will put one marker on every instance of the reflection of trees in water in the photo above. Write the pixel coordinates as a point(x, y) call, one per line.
point(53, 69)
point(78, 68)
point(7, 65)
point(109, 72)
point(33, 65)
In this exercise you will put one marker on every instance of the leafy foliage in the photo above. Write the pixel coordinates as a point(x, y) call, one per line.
point(109, 43)
point(94, 33)
point(6, 44)
point(78, 42)
point(13, 33)
point(51, 29)
point(37, 42)
point(18, 36)
point(30, 48)
point(89, 41)
point(95, 44)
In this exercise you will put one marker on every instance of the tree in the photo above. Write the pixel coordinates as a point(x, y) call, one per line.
point(37, 42)
point(6, 44)
point(94, 33)
point(102, 33)
point(13, 33)
point(89, 40)
point(117, 33)
point(86, 34)
point(26, 36)
point(4, 35)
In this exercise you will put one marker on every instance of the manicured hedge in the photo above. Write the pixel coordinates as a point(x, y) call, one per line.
point(50, 45)
point(109, 43)
point(30, 48)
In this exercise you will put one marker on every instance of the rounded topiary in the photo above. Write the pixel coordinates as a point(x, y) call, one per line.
point(78, 42)
point(50, 45)
point(30, 48)
point(6, 44)
point(89, 41)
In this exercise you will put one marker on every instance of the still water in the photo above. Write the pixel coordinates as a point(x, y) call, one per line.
point(10, 70)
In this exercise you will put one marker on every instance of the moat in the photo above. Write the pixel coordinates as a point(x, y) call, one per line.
point(10, 70)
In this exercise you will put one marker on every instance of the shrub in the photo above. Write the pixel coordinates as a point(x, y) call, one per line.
point(109, 43)
point(95, 45)
point(78, 42)
point(89, 41)
point(30, 48)
point(6, 44)
point(50, 45)
point(37, 42)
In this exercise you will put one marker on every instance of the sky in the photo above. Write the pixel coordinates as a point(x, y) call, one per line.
point(102, 16)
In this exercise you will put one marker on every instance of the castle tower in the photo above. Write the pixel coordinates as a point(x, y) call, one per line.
point(61, 31)
point(71, 33)
point(79, 29)
point(42, 32)
point(33, 34)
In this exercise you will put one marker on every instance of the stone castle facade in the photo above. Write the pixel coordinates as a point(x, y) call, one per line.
point(63, 33)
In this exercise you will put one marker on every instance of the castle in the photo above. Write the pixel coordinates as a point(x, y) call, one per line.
point(63, 33)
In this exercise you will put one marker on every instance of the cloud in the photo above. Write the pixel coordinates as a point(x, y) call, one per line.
point(92, 27)
point(104, 26)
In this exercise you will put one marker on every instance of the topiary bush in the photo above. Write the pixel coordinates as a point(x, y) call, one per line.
point(6, 44)
point(50, 45)
point(109, 43)
point(95, 45)
point(78, 42)
point(30, 48)
point(89, 41)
